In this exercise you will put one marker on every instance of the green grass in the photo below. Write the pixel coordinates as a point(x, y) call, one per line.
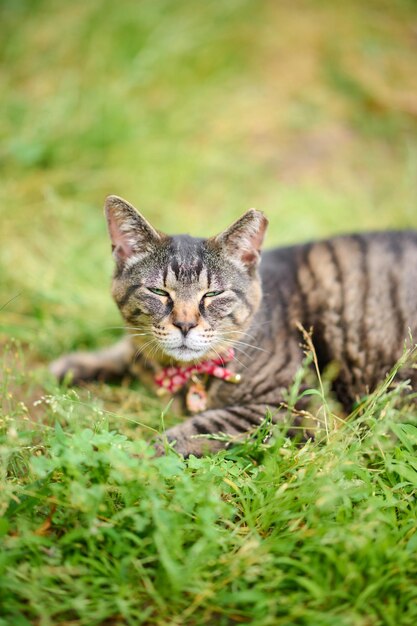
point(195, 112)
point(95, 528)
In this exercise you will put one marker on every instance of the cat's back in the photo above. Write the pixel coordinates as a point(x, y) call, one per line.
point(358, 292)
point(345, 264)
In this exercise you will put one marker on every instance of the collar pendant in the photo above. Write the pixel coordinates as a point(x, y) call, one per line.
point(196, 397)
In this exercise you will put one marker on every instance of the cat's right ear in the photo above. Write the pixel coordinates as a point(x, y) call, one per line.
point(131, 235)
point(244, 238)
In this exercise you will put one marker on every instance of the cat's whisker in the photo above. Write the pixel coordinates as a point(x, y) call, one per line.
point(249, 345)
point(245, 332)
point(236, 359)
point(149, 358)
point(142, 348)
point(240, 362)
point(260, 325)
point(235, 344)
point(152, 352)
point(240, 332)
point(122, 328)
point(240, 351)
point(217, 354)
point(243, 343)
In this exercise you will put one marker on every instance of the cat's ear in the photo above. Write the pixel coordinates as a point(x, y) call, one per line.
point(131, 235)
point(243, 239)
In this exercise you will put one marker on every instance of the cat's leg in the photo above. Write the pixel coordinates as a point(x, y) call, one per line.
point(235, 421)
point(106, 364)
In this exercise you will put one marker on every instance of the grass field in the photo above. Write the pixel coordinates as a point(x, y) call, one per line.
point(195, 111)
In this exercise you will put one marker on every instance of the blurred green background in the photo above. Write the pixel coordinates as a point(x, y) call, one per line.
point(194, 111)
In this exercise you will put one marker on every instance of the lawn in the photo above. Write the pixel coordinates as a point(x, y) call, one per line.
point(195, 111)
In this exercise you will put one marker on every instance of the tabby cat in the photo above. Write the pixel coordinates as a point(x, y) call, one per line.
point(187, 301)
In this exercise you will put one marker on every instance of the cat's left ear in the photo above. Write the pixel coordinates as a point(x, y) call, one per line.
point(243, 239)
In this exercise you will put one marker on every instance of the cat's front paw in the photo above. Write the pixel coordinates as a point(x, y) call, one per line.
point(186, 442)
point(76, 367)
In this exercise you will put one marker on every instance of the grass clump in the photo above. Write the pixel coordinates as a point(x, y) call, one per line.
point(97, 530)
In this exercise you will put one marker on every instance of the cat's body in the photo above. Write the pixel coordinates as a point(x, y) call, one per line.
point(358, 293)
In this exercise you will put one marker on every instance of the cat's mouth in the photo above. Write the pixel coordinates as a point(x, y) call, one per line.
point(184, 353)
point(189, 348)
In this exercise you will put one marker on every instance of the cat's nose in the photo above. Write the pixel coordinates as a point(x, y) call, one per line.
point(185, 327)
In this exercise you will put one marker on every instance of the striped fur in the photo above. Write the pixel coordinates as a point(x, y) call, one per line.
point(357, 292)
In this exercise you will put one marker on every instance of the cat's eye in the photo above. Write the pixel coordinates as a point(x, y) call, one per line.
point(158, 292)
point(211, 294)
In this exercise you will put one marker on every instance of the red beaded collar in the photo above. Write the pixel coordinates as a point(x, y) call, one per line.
point(174, 378)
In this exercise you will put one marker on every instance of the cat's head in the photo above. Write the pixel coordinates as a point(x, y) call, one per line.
point(184, 298)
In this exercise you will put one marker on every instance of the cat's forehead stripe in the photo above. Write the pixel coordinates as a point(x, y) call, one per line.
point(187, 261)
point(185, 277)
